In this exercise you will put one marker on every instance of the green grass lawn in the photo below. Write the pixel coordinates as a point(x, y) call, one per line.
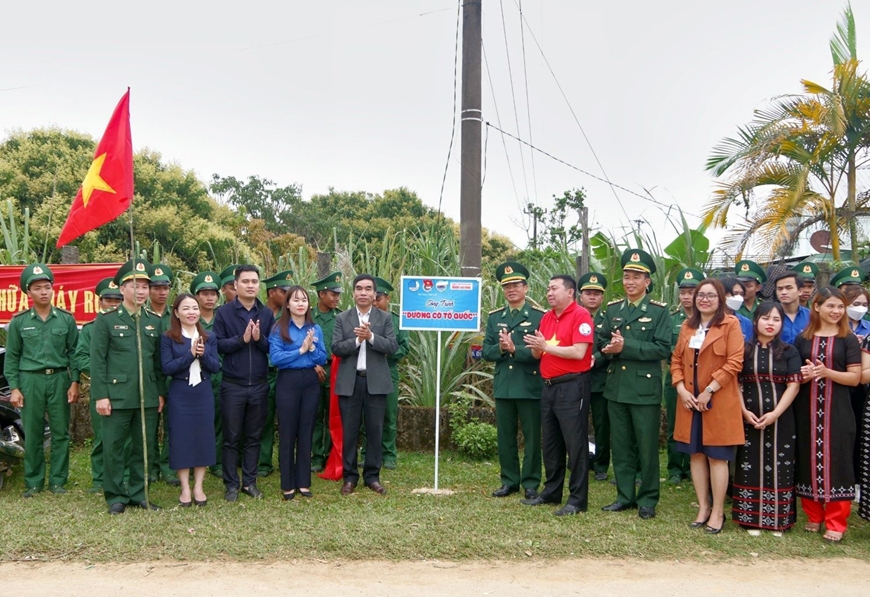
point(400, 526)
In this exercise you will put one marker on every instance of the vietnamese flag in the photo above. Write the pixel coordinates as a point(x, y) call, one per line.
point(107, 190)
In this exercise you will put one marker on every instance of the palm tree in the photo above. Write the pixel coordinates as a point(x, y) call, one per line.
point(799, 151)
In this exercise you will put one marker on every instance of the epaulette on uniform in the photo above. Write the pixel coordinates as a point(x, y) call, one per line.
point(659, 304)
point(497, 310)
point(538, 308)
point(70, 313)
point(21, 313)
point(675, 310)
point(614, 301)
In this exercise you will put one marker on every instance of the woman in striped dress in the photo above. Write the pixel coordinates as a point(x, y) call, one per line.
point(763, 496)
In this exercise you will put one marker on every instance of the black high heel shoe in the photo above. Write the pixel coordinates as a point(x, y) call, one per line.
point(698, 525)
point(714, 531)
point(200, 502)
point(289, 496)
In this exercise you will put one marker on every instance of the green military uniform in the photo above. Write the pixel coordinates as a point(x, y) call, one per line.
point(598, 378)
point(115, 362)
point(678, 462)
point(209, 281)
point(106, 288)
point(40, 363)
point(391, 415)
point(634, 387)
point(517, 388)
point(267, 440)
point(228, 275)
point(321, 442)
point(808, 271)
point(162, 275)
point(749, 270)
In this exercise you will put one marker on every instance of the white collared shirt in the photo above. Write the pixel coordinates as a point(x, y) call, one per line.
point(361, 358)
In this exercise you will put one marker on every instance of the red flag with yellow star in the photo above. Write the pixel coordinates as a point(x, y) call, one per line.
point(107, 190)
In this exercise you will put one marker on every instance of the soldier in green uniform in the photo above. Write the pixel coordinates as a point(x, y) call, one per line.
point(808, 272)
point(204, 287)
point(678, 462)
point(592, 286)
point(228, 283)
point(328, 294)
point(110, 297)
point(517, 383)
point(382, 302)
point(158, 293)
point(44, 378)
point(115, 371)
point(276, 292)
point(753, 277)
point(635, 339)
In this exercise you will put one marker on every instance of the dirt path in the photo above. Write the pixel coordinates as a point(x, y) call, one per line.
point(435, 578)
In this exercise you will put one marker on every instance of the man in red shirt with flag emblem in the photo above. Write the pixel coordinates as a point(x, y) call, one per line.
point(563, 343)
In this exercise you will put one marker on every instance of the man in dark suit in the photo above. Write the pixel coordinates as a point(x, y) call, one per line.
point(363, 338)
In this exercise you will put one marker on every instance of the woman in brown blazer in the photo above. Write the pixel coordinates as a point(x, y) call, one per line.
point(709, 424)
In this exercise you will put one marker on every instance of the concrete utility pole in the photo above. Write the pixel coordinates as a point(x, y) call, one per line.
point(472, 124)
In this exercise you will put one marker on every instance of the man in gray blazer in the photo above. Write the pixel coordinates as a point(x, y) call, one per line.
point(363, 338)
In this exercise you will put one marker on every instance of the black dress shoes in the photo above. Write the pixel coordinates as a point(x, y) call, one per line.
point(504, 491)
point(253, 491)
point(531, 493)
point(646, 512)
point(348, 488)
point(537, 501)
point(232, 494)
point(377, 487)
point(117, 508)
point(568, 510)
point(618, 507)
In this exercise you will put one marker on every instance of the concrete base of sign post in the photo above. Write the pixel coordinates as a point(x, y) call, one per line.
point(430, 491)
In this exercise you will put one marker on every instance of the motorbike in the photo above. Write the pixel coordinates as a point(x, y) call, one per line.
point(11, 436)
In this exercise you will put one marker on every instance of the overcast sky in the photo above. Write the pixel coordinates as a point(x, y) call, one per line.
point(358, 95)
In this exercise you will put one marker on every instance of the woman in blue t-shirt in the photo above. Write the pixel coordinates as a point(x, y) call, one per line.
point(296, 346)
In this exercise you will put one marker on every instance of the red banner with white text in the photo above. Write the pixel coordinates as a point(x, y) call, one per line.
point(73, 289)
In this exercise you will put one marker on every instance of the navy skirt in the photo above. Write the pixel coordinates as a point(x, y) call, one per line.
point(696, 442)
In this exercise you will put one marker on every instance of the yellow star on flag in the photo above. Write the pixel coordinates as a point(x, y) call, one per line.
point(93, 181)
point(552, 341)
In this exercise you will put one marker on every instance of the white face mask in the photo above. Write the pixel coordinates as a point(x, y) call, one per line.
point(734, 302)
point(856, 313)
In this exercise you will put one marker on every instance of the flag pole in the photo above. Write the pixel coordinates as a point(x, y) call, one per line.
point(138, 317)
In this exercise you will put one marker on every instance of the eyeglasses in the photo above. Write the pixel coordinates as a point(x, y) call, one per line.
point(711, 296)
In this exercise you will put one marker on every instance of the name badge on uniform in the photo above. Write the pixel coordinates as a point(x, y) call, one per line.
point(645, 319)
point(122, 327)
point(525, 323)
point(696, 342)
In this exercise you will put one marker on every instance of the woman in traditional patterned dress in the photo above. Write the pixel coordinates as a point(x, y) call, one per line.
point(825, 423)
point(864, 428)
point(763, 496)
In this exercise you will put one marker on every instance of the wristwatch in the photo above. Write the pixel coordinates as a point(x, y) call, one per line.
point(709, 390)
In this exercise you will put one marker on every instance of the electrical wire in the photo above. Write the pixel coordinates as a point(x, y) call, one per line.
point(498, 120)
point(528, 103)
point(513, 95)
point(455, 81)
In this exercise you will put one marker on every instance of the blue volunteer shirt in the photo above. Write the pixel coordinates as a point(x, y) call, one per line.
point(285, 355)
point(791, 329)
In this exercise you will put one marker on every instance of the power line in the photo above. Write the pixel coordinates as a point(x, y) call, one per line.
point(571, 109)
point(528, 103)
point(513, 95)
point(455, 80)
point(498, 119)
point(589, 174)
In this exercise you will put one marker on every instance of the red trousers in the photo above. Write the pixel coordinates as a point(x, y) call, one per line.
point(833, 514)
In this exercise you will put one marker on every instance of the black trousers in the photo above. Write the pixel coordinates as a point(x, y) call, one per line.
point(297, 392)
point(564, 429)
point(353, 408)
point(243, 414)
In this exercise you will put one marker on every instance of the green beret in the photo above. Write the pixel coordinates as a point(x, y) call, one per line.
point(161, 275)
point(139, 269)
point(749, 270)
point(592, 281)
point(848, 275)
point(228, 274)
point(34, 273)
point(204, 281)
point(382, 285)
point(330, 282)
point(106, 288)
point(511, 271)
point(280, 280)
point(638, 260)
point(689, 277)
point(807, 270)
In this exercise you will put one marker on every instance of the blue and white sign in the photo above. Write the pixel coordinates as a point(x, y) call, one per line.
point(440, 304)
